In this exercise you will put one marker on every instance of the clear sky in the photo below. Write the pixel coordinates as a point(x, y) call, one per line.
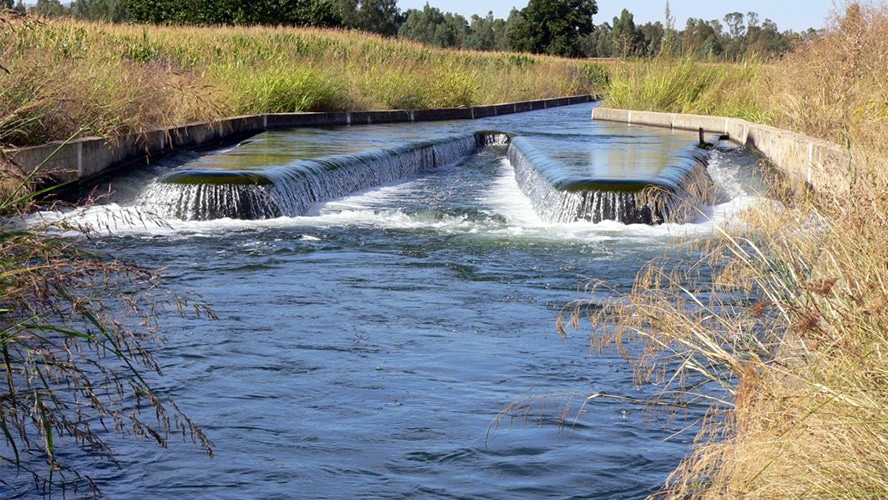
point(797, 15)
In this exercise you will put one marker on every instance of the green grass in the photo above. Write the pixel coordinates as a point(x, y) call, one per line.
point(690, 86)
point(65, 74)
point(788, 307)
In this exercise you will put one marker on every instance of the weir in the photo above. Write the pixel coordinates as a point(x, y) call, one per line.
point(431, 287)
point(567, 174)
point(289, 190)
point(560, 195)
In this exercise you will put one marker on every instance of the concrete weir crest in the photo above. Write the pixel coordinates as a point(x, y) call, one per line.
point(83, 161)
point(806, 162)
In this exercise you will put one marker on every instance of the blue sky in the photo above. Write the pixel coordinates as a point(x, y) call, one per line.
point(797, 15)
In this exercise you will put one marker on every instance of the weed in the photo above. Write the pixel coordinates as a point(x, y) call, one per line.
point(780, 322)
point(155, 76)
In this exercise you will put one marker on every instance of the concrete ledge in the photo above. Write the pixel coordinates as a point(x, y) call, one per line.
point(295, 120)
point(806, 162)
point(83, 161)
point(371, 117)
point(431, 115)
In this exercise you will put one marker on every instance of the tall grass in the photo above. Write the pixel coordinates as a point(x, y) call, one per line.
point(689, 86)
point(76, 333)
point(120, 78)
point(76, 327)
point(782, 323)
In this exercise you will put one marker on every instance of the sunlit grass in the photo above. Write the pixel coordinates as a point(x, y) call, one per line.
point(782, 323)
point(688, 86)
point(121, 78)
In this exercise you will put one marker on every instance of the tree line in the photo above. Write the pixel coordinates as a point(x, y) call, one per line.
point(556, 27)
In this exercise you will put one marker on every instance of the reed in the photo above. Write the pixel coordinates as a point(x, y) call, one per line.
point(778, 322)
point(690, 86)
point(61, 74)
point(76, 333)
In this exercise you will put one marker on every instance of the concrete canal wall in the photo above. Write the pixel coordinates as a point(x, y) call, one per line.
point(82, 161)
point(806, 162)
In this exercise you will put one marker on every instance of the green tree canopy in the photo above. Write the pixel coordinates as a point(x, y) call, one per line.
point(96, 10)
point(376, 16)
point(625, 36)
point(234, 12)
point(486, 33)
point(554, 27)
point(433, 27)
point(49, 8)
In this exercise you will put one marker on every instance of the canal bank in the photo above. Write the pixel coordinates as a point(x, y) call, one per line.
point(80, 162)
point(804, 161)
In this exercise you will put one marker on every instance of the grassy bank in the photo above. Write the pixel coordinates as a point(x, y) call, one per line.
point(796, 333)
point(689, 86)
point(67, 78)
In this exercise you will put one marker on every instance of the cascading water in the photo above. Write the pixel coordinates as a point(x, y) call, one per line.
point(559, 192)
point(558, 196)
point(289, 190)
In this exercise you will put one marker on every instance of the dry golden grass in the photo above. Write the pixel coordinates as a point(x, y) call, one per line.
point(62, 76)
point(782, 323)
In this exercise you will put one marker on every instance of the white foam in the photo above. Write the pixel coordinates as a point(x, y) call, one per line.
point(511, 215)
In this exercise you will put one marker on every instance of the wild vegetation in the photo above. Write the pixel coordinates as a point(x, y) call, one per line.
point(782, 323)
point(555, 27)
point(77, 328)
point(76, 335)
point(687, 86)
point(786, 313)
point(65, 77)
point(77, 332)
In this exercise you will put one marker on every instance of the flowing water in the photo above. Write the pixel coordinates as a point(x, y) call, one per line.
point(365, 349)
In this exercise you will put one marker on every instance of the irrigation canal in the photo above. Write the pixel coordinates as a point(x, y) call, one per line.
point(365, 347)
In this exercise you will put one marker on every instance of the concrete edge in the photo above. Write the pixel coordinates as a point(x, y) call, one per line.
point(83, 161)
point(805, 161)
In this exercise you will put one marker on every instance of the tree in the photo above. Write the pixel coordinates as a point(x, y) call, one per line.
point(651, 38)
point(701, 39)
point(624, 35)
point(515, 28)
point(752, 20)
point(605, 44)
point(432, 27)
point(375, 16)
point(734, 21)
point(49, 8)
point(99, 10)
point(735, 38)
point(767, 41)
point(485, 33)
point(234, 12)
point(671, 45)
point(321, 13)
point(8, 4)
point(553, 26)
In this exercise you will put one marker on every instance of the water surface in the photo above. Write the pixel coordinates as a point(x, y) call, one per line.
point(366, 349)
